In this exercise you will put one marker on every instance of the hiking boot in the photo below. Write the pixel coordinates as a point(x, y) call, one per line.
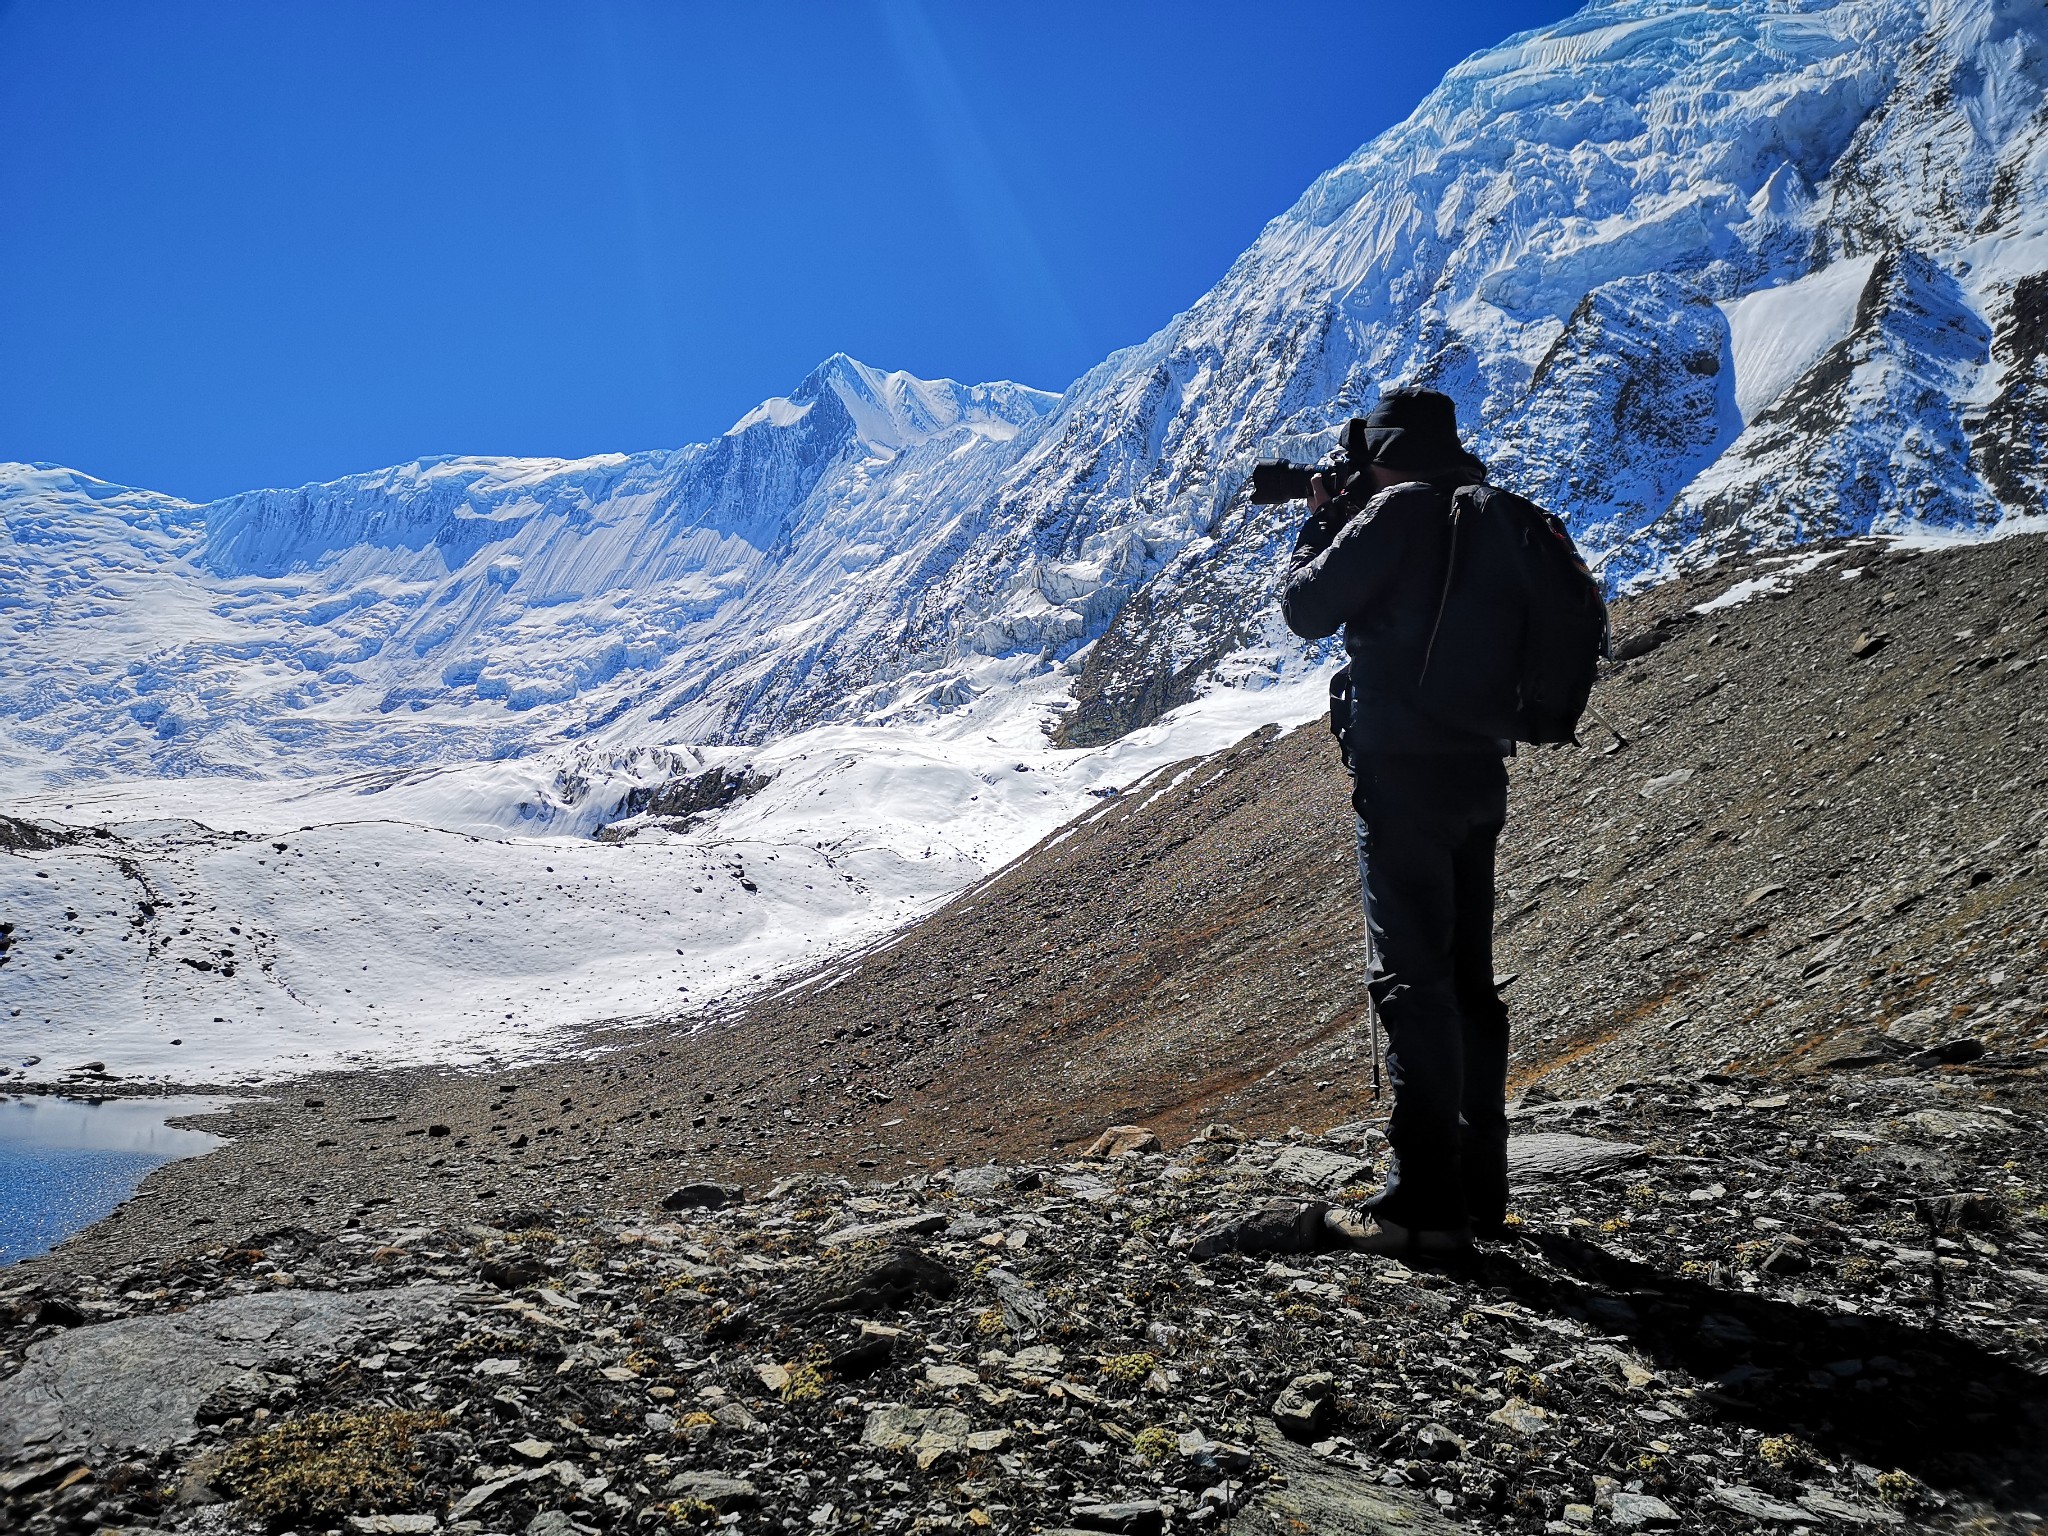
point(1483, 1178)
point(1364, 1232)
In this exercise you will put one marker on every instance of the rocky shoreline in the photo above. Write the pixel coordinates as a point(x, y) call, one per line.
point(1727, 1304)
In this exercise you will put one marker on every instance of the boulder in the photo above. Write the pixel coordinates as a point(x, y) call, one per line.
point(1024, 1309)
point(992, 1180)
point(1757, 1504)
point(1520, 1416)
point(1280, 1226)
point(1548, 1155)
point(1437, 1442)
point(882, 1231)
point(928, 1434)
point(1122, 1141)
point(1332, 1498)
point(1317, 1168)
point(704, 1196)
point(723, 1494)
point(883, 1281)
point(140, 1381)
point(1305, 1405)
point(1641, 1511)
point(1136, 1517)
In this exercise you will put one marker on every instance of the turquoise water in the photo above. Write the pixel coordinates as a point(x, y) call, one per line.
point(65, 1163)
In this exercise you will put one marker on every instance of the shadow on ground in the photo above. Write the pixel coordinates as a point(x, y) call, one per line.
point(1867, 1389)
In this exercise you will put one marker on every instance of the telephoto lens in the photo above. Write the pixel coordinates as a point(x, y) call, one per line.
point(1278, 480)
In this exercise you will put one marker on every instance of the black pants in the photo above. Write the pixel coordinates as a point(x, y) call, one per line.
point(1427, 825)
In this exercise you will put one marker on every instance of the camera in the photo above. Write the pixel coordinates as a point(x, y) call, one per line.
point(1275, 481)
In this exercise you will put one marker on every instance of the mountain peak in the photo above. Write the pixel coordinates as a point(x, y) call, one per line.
point(840, 371)
point(893, 411)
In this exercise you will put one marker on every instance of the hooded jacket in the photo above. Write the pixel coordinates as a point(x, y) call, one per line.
point(1378, 574)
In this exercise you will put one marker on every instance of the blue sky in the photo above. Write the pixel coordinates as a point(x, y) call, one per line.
point(265, 243)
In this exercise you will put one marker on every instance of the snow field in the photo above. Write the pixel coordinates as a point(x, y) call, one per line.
point(269, 942)
point(1776, 334)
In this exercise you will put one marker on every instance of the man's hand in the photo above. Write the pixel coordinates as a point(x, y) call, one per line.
point(1319, 493)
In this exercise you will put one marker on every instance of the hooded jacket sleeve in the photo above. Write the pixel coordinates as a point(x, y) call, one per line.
point(1342, 571)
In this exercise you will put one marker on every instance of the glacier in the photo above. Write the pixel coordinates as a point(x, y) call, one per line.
point(1700, 276)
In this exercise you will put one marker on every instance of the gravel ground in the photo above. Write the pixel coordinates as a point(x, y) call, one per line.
point(1743, 1312)
point(1786, 940)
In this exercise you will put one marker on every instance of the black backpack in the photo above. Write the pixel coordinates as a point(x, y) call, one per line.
point(1520, 624)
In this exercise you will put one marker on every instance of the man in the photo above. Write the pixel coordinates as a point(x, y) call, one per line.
point(1373, 558)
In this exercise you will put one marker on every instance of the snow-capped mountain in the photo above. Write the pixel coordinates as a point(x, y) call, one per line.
point(466, 608)
point(1699, 275)
point(1696, 274)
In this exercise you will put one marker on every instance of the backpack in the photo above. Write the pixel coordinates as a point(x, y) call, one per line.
point(1520, 624)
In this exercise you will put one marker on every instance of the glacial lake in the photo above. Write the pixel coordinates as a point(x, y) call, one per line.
point(65, 1163)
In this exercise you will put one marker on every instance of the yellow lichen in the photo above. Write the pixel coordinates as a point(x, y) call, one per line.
point(328, 1465)
point(1860, 1273)
point(806, 1384)
point(1125, 1372)
point(1784, 1454)
point(1525, 1384)
point(1155, 1444)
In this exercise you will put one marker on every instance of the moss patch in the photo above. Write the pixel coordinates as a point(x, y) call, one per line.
point(331, 1464)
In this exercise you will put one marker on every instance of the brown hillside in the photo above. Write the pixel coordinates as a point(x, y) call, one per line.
point(1798, 840)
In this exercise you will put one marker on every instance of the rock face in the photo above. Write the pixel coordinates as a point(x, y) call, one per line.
point(1122, 1140)
point(1278, 1226)
point(1319, 1168)
point(1324, 1496)
point(140, 1382)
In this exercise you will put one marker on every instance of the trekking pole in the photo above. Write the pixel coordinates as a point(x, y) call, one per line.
point(1372, 1010)
point(1594, 711)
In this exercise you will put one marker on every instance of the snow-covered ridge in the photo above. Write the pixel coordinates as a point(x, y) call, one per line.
point(1776, 334)
point(463, 608)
